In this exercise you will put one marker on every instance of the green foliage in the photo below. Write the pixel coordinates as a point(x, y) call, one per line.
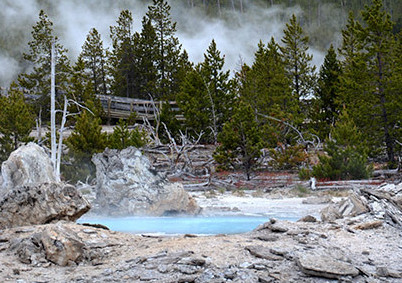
point(87, 137)
point(266, 88)
point(122, 68)
point(347, 153)
point(368, 80)
point(297, 60)
point(206, 96)
point(16, 121)
point(305, 174)
point(122, 137)
point(168, 118)
point(287, 157)
point(325, 107)
point(240, 140)
point(39, 60)
point(170, 62)
point(94, 57)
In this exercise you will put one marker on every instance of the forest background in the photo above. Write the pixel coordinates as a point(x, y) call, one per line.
point(277, 100)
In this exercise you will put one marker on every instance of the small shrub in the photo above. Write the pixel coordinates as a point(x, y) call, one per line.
point(221, 190)
point(305, 174)
point(347, 153)
point(287, 157)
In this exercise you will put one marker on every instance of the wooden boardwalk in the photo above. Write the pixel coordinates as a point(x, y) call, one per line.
point(116, 107)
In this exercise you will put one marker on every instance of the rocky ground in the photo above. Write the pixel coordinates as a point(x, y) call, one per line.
point(362, 248)
point(357, 236)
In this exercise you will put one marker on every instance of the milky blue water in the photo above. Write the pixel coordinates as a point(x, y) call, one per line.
point(182, 225)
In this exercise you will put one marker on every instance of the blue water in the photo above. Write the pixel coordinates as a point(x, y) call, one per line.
point(182, 225)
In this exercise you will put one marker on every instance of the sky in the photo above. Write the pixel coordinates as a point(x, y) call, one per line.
point(236, 35)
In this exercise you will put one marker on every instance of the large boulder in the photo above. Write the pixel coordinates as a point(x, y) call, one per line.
point(41, 204)
point(28, 165)
point(55, 243)
point(127, 185)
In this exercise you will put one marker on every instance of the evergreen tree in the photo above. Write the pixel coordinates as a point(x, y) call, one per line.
point(240, 140)
point(326, 108)
point(206, 94)
point(122, 137)
point(368, 68)
point(297, 60)
point(87, 137)
point(170, 61)
point(347, 153)
point(94, 56)
point(16, 121)
point(266, 87)
point(121, 58)
point(379, 40)
point(39, 58)
point(146, 47)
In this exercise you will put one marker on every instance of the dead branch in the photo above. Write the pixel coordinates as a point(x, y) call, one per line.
point(303, 140)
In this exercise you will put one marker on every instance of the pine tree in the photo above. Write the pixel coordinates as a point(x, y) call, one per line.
point(326, 108)
point(366, 86)
point(94, 56)
point(122, 137)
point(121, 58)
point(206, 94)
point(193, 102)
point(378, 38)
point(266, 87)
point(240, 140)
point(87, 137)
point(16, 121)
point(297, 60)
point(347, 153)
point(146, 46)
point(170, 61)
point(38, 57)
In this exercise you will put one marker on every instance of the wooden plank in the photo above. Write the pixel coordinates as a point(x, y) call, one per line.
point(122, 107)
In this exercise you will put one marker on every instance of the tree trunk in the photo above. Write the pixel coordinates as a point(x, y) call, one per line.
point(389, 143)
point(53, 108)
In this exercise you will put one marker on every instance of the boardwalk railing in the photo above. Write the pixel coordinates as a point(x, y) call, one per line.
point(116, 107)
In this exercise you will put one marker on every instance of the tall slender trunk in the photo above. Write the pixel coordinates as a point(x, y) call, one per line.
point(389, 143)
point(53, 107)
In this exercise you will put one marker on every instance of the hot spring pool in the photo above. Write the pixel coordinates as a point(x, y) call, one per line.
point(182, 225)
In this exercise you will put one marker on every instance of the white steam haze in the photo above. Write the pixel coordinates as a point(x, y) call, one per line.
point(236, 34)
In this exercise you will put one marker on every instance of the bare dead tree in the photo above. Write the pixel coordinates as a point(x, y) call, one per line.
point(153, 130)
point(214, 126)
point(181, 151)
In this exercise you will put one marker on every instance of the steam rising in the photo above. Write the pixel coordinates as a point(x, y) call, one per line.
point(236, 34)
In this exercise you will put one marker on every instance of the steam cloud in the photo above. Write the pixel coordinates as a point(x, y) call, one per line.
point(236, 35)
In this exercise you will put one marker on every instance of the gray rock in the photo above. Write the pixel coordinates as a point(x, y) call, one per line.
point(62, 246)
point(352, 206)
point(127, 185)
point(307, 218)
point(55, 243)
point(41, 204)
point(325, 266)
point(28, 165)
point(262, 252)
